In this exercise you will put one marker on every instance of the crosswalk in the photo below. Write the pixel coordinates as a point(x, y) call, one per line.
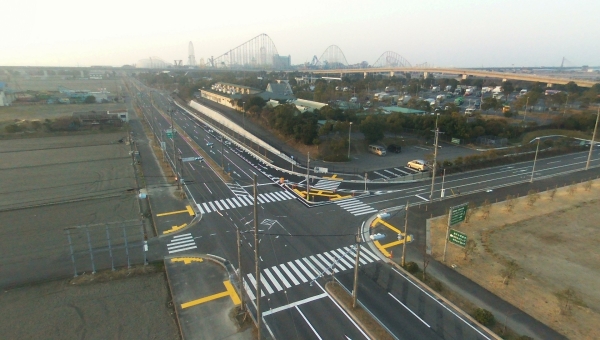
point(325, 184)
point(355, 207)
point(304, 270)
point(243, 201)
point(180, 243)
point(237, 189)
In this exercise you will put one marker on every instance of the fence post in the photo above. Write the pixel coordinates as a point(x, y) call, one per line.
point(112, 261)
point(126, 247)
point(71, 249)
point(91, 251)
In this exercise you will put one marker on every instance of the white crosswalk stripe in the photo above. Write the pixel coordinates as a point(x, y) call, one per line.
point(243, 201)
point(325, 184)
point(355, 207)
point(287, 275)
point(237, 189)
point(181, 243)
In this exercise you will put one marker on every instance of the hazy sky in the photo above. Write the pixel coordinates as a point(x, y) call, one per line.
point(459, 33)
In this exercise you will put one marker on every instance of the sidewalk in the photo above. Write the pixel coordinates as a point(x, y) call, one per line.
point(161, 191)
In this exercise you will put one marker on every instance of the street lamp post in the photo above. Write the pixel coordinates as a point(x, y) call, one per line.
point(535, 159)
point(349, 130)
point(373, 237)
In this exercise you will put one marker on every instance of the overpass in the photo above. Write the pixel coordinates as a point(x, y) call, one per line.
point(461, 72)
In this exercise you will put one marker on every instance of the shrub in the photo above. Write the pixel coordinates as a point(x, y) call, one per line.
point(484, 317)
point(411, 267)
point(12, 128)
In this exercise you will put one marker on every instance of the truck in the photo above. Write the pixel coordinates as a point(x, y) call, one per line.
point(469, 92)
point(459, 101)
point(390, 89)
point(435, 89)
point(440, 97)
point(448, 88)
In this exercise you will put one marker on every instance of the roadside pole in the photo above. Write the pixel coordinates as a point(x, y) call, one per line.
point(587, 165)
point(174, 150)
point(308, 176)
point(256, 263)
point(356, 269)
point(365, 182)
point(535, 159)
point(240, 273)
point(437, 133)
point(405, 235)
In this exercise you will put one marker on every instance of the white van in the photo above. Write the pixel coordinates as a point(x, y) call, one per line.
point(417, 164)
point(469, 111)
point(377, 149)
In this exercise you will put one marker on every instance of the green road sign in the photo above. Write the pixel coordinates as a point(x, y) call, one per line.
point(169, 133)
point(457, 238)
point(457, 214)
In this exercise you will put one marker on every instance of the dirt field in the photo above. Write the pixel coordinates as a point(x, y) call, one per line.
point(128, 308)
point(51, 111)
point(554, 244)
point(52, 83)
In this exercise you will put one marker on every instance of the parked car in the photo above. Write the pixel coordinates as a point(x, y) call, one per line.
point(417, 164)
point(394, 148)
point(209, 144)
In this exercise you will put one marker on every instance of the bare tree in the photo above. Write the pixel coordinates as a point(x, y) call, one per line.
point(572, 188)
point(486, 207)
point(566, 299)
point(426, 259)
point(469, 248)
point(470, 211)
point(509, 271)
point(532, 197)
point(552, 194)
point(509, 203)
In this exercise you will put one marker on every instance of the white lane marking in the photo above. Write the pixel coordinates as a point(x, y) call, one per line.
point(408, 309)
point(344, 312)
point(553, 162)
point(178, 250)
point(302, 277)
point(182, 235)
point(441, 304)
point(309, 325)
point(294, 304)
point(289, 274)
point(265, 284)
point(424, 199)
point(282, 277)
point(273, 280)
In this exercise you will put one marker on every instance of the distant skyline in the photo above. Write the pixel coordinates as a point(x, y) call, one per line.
point(459, 33)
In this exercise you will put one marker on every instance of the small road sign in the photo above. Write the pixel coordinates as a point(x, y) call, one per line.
point(457, 238)
point(457, 214)
point(169, 133)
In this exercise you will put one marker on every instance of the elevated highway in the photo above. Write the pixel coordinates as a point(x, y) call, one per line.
point(462, 72)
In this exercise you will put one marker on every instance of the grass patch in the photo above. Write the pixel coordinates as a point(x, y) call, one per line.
point(529, 136)
point(362, 317)
point(118, 274)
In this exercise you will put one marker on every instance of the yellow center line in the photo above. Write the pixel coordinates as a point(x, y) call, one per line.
point(190, 210)
point(379, 220)
point(391, 244)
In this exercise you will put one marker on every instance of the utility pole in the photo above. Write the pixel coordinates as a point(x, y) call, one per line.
point(222, 141)
point(525, 115)
point(240, 273)
point(256, 261)
point(437, 132)
point(308, 176)
point(587, 164)
point(365, 182)
point(405, 235)
point(535, 159)
point(349, 131)
point(354, 290)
